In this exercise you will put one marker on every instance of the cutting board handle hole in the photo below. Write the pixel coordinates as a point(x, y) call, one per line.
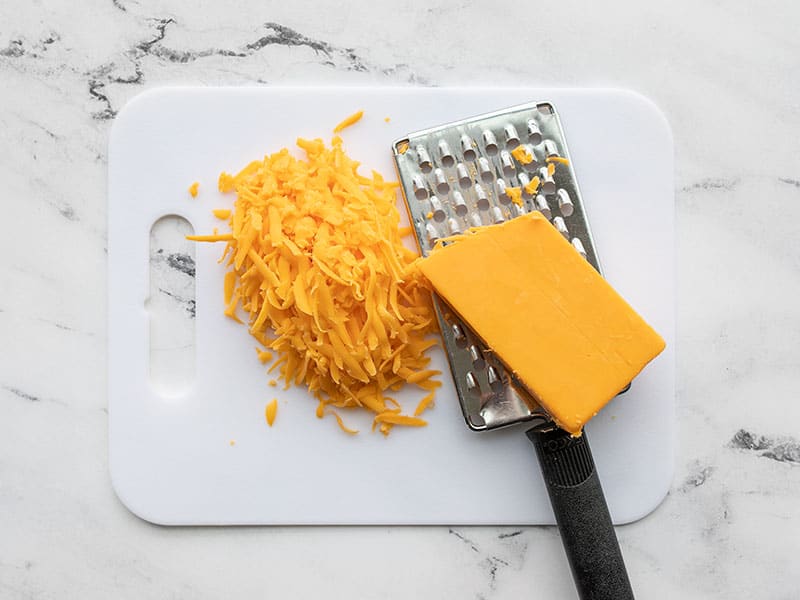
point(171, 306)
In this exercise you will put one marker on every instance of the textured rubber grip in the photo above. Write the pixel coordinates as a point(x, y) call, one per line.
point(582, 514)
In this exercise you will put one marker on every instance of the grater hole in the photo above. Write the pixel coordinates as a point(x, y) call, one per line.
point(464, 180)
point(445, 154)
point(482, 198)
point(495, 381)
point(550, 148)
point(559, 224)
point(442, 187)
point(458, 335)
point(485, 169)
point(459, 204)
point(473, 386)
point(424, 159)
point(543, 207)
point(512, 138)
point(420, 189)
point(453, 226)
point(564, 203)
point(468, 148)
point(507, 164)
point(476, 356)
point(497, 215)
point(502, 194)
point(489, 142)
point(437, 210)
point(524, 183)
point(433, 234)
point(578, 245)
point(534, 134)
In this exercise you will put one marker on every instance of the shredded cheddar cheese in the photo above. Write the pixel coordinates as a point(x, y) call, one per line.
point(317, 264)
point(551, 168)
point(387, 119)
point(557, 159)
point(221, 213)
point(193, 189)
point(523, 156)
point(354, 118)
point(270, 411)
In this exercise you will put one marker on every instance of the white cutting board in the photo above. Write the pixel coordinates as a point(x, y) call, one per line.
point(170, 458)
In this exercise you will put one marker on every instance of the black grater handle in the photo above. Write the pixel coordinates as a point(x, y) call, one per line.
point(582, 514)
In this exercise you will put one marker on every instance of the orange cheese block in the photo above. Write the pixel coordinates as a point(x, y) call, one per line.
point(569, 337)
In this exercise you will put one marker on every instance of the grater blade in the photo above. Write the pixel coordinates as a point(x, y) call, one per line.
point(475, 172)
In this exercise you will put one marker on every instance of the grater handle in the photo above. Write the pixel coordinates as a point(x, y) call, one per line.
point(581, 513)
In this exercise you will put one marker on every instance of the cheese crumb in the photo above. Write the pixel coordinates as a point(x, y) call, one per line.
point(193, 189)
point(515, 194)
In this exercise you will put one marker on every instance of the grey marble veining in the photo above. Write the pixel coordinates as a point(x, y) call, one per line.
point(726, 75)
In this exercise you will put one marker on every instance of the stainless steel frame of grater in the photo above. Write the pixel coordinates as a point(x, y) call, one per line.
point(454, 177)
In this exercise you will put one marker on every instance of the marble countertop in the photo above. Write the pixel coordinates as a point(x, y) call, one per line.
point(727, 77)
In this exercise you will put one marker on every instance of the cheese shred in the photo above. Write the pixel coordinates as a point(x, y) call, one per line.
point(317, 264)
point(270, 411)
point(352, 119)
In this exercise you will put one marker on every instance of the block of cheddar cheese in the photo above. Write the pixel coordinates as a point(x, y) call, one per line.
point(552, 320)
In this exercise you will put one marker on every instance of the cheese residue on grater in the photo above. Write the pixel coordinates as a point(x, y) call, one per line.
point(548, 316)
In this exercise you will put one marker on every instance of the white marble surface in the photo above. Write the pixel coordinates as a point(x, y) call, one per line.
point(726, 75)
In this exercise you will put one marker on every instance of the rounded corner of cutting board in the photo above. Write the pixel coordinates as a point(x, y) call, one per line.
point(648, 504)
point(133, 499)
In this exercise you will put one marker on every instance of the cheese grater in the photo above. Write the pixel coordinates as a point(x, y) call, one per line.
point(485, 170)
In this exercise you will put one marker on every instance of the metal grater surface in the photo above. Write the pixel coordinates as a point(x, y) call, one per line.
point(456, 176)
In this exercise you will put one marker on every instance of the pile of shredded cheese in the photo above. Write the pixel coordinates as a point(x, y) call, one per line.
point(317, 263)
